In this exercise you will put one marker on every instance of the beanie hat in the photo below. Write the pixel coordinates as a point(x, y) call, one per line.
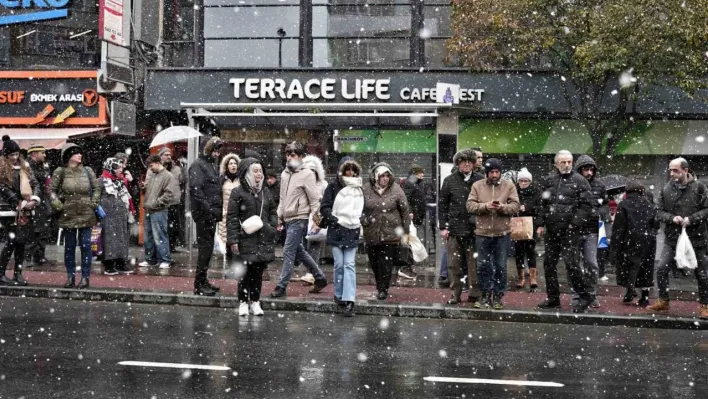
point(112, 164)
point(35, 148)
point(415, 169)
point(163, 151)
point(524, 174)
point(69, 151)
point(9, 146)
point(492, 164)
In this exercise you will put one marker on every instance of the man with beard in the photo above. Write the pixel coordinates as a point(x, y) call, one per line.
point(43, 211)
point(564, 209)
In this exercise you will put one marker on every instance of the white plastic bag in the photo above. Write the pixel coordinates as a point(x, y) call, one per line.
point(219, 245)
point(413, 230)
point(321, 234)
point(685, 255)
point(417, 248)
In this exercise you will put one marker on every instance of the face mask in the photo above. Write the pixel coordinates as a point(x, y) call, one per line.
point(294, 164)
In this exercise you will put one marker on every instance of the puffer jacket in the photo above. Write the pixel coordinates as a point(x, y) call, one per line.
point(204, 186)
point(227, 186)
point(338, 235)
point(452, 204)
point(385, 215)
point(72, 186)
point(244, 202)
point(529, 198)
point(10, 196)
point(564, 201)
point(686, 200)
point(597, 196)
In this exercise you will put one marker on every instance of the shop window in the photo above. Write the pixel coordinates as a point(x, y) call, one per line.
point(371, 52)
point(251, 22)
point(250, 53)
point(361, 21)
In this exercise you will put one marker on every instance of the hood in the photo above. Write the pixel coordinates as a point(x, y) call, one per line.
point(314, 164)
point(464, 154)
point(206, 147)
point(377, 169)
point(344, 165)
point(242, 169)
point(585, 160)
point(68, 150)
point(225, 161)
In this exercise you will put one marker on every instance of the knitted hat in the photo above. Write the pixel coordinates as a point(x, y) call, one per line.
point(415, 169)
point(524, 174)
point(492, 164)
point(9, 146)
point(112, 164)
point(35, 148)
point(163, 151)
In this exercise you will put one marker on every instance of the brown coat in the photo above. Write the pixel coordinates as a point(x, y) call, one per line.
point(385, 215)
point(493, 222)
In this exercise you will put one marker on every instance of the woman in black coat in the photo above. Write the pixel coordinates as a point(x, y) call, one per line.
point(257, 249)
point(633, 243)
point(525, 250)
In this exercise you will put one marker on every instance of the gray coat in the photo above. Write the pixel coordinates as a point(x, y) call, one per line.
point(115, 225)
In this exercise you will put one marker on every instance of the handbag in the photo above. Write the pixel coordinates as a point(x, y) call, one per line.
point(522, 228)
point(404, 256)
point(100, 213)
point(254, 223)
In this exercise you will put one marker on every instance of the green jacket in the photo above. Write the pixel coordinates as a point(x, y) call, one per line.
point(71, 186)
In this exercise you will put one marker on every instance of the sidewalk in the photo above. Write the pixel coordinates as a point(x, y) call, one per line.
point(409, 298)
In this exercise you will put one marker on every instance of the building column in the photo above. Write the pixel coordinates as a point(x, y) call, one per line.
point(447, 128)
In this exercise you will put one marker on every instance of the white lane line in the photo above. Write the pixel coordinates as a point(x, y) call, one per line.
point(495, 382)
point(175, 365)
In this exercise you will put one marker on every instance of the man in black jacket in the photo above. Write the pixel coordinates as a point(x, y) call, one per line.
point(599, 201)
point(683, 203)
point(564, 209)
point(457, 225)
point(414, 189)
point(35, 254)
point(206, 207)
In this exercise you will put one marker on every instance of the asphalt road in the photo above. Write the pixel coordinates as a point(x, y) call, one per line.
point(72, 349)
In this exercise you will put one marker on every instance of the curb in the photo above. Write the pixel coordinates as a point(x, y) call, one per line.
point(433, 310)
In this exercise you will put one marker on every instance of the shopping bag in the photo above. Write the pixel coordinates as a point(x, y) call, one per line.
point(96, 241)
point(522, 228)
point(413, 230)
point(685, 255)
point(219, 244)
point(602, 236)
point(417, 248)
point(321, 234)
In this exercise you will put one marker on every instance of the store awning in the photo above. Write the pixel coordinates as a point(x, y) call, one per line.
point(51, 139)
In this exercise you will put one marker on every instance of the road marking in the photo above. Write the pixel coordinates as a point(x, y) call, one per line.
point(495, 382)
point(175, 365)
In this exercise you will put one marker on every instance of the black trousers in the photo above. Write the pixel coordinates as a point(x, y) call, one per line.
point(525, 250)
point(175, 214)
point(564, 243)
point(249, 287)
point(205, 247)
point(381, 260)
point(12, 246)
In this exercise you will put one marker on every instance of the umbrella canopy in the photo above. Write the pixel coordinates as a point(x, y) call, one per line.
point(174, 134)
point(614, 184)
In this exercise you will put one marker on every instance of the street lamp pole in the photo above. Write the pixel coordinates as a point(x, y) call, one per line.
point(281, 35)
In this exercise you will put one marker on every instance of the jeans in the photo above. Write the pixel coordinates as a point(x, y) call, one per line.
point(563, 242)
point(84, 242)
point(461, 264)
point(344, 273)
point(443, 263)
point(588, 244)
point(205, 248)
point(294, 250)
point(492, 253)
point(157, 241)
point(662, 272)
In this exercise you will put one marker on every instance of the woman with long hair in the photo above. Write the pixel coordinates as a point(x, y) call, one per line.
point(229, 181)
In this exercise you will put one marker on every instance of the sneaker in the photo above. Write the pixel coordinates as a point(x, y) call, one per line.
point(497, 302)
point(243, 309)
point(256, 308)
point(407, 272)
point(279, 292)
point(110, 271)
point(165, 265)
point(483, 302)
point(124, 269)
point(146, 264)
point(319, 286)
point(604, 278)
point(308, 279)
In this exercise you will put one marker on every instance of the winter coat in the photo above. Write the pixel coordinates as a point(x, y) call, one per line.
point(11, 196)
point(689, 200)
point(227, 186)
point(564, 201)
point(338, 235)
point(244, 202)
point(160, 191)
point(204, 186)
point(386, 215)
point(114, 232)
point(497, 222)
point(315, 165)
point(452, 205)
point(529, 198)
point(597, 196)
point(415, 194)
point(43, 211)
point(72, 186)
point(300, 194)
point(275, 192)
point(633, 243)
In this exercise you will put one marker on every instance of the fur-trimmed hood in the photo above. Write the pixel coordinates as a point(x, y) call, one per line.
point(207, 146)
point(343, 165)
point(225, 161)
point(315, 164)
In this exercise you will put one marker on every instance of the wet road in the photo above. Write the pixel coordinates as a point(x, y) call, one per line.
point(74, 349)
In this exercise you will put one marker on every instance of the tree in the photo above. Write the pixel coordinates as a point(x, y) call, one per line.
point(623, 46)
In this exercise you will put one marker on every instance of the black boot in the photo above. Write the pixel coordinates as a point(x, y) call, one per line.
point(69, 282)
point(644, 299)
point(213, 287)
point(349, 309)
point(629, 296)
point(84, 283)
point(204, 290)
point(319, 286)
point(19, 280)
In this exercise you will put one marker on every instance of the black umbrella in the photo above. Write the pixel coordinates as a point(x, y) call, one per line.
point(614, 184)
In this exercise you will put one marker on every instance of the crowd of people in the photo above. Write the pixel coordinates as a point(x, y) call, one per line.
point(251, 210)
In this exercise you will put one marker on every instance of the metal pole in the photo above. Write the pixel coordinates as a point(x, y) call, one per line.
point(280, 52)
point(192, 147)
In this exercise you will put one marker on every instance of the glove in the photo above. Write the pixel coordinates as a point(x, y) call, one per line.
point(131, 218)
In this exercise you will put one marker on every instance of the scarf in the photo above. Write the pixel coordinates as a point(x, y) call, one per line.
point(231, 176)
point(251, 180)
point(349, 203)
point(115, 186)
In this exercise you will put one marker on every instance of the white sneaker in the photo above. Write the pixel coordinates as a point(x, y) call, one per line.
point(243, 309)
point(308, 279)
point(164, 265)
point(604, 278)
point(145, 264)
point(256, 309)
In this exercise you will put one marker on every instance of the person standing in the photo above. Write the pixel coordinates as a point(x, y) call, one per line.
point(457, 225)
point(525, 250)
point(315, 247)
point(386, 221)
point(589, 230)
point(116, 203)
point(206, 207)
point(414, 189)
point(76, 195)
point(299, 200)
point(133, 184)
point(683, 203)
point(42, 219)
point(175, 212)
point(494, 201)
point(633, 244)
point(256, 249)
point(20, 193)
point(564, 210)
point(342, 206)
point(159, 194)
point(228, 173)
